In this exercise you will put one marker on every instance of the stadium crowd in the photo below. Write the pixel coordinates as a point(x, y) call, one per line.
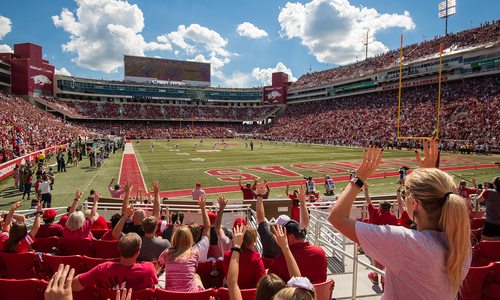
point(469, 116)
point(24, 128)
point(289, 267)
point(487, 33)
point(144, 111)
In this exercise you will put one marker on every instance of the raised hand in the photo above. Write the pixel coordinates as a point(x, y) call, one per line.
point(127, 187)
point(78, 194)
point(431, 154)
point(238, 234)
point(59, 287)
point(222, 202)
point(302, 194)
point(156, 187)
point(371, 159)
point(202, 202)
point(97, 196)
point(280, 238)
point(39, 206)
point(124, 294)
point(261, 188)
point(16, 205)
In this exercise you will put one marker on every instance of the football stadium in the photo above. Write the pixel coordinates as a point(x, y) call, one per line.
point(374, 178)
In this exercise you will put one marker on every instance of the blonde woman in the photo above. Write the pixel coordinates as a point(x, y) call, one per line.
point(428, 263)
point(180, 262)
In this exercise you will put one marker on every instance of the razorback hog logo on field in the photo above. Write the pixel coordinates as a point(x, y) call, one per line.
point(41, 80)
point(273, 95)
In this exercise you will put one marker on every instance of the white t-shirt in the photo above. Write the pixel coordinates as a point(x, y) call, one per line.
point(202, 247)
point(414, 261)
point(44, 187)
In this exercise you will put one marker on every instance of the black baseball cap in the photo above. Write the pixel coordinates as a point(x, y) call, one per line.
point(292, 227)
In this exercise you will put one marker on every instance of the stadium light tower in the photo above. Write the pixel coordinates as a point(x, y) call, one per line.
point(366, 43)
point(445, 9)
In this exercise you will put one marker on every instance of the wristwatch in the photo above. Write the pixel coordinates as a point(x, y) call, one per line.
point(360, 183)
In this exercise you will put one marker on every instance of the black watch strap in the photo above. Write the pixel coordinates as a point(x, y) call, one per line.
point(360, 183)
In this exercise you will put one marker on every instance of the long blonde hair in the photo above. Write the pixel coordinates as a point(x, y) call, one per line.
point(436, 190)
point(182, 243)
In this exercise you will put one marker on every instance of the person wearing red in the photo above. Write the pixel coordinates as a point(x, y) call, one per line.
point(250, 260)
point(295, 204)
point(49, 228)
point(311, 259)
point(378, 216)
point(126, 273)
point(15, 237)
point(246, 190)
point(464, 191)
point(77, 227)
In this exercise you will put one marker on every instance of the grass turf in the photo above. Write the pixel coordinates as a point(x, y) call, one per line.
point(181, 169)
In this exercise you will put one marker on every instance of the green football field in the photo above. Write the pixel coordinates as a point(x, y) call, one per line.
point(179, 169)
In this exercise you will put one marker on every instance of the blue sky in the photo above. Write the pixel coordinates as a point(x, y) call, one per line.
point(245, 41)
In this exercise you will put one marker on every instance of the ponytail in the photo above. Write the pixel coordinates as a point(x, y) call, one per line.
point(454, 222)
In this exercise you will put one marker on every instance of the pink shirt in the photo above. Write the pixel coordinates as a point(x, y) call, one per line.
point(115, 193)
point(196, 193)
point(409, 256)
point(179, 273)
point(82, 233)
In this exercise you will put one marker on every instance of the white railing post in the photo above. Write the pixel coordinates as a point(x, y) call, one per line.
point(355, 272)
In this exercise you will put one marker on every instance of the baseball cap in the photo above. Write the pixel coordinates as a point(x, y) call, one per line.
point(212, 216)
point(198, 184)
point(281, 220)
point(292, 227)
point(117, 186)
point(49, 214)
point(239, 222)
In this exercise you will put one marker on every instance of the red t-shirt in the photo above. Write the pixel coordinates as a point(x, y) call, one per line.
point(379, 216)
point(99, 224)
point(22, 246)
point(108, 236)
point(113, 275)
point(405, 220)
point(251, 268)
point(295, 207)
point(310, 259)
point(62, 220)
point(247, 193)
point(466, 192)
point(48, 230)
point(82, 233)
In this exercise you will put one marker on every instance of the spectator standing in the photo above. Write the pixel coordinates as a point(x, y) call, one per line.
point(115, 192)
point(45, 192)
point(246, 190)
point(491, 229)
point(197, 192)
point(15, 176)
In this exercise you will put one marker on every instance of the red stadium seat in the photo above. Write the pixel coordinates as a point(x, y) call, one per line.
point(492, 288)
point(267, 262)
point(86, 294)
point(32, 289)
point(92, 262)
point(147, 294)
point(477, 214)
point(477, 223)
point(474, 282)
point(476, 235)
point(324, 291)
point(211, 273)
point(488, 251)
point(161, 294)
point(105, 249)
point(98, 233)
point(53, 261)
point(246, 294)
point(77, 247)
point(46, 245)
point(19, 265)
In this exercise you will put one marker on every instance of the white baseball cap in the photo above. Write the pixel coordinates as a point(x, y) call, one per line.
point(281, 220)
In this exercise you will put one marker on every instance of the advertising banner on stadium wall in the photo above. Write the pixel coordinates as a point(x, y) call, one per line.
point(7, 167)
point(274, 94)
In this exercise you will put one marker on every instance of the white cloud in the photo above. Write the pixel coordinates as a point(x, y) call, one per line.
point(249, 30)
point(101, 32)
point(264, 76)
point(334, 30)
point(5, 27)
point(62, 71)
